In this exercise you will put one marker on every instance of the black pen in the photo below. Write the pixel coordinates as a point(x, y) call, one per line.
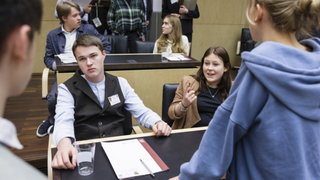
point(151, 173)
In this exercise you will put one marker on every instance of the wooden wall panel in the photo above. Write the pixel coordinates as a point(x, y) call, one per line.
point(220, 24)
point(49, 22)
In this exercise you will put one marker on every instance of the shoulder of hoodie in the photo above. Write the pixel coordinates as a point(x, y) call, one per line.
point(268, 53)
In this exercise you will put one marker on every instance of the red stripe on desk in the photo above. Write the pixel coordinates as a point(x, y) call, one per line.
point(153, 154)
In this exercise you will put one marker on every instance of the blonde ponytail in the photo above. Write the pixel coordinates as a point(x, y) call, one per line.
point(292, 15)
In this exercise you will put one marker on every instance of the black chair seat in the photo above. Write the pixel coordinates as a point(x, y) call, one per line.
point(247, 44)
point(144, 46)
point(119, 44)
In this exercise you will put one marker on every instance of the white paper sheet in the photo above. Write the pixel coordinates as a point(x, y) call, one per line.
point(125, 156)
point(177, 57)
point(67, 58)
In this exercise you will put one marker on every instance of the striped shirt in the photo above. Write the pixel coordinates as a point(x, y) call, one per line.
point(124, 17)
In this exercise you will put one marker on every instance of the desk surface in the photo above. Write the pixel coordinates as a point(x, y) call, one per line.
point(173, 150)
point(132, 62)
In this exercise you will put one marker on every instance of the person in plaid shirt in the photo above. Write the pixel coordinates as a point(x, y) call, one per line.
point(126, 17)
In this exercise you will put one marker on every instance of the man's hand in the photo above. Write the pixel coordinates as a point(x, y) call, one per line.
point(161, 129)
point(142, 38)
point(87, 8)
point(183, 10)
point(147, 22)
point(62, 158)
point(174, 178)
point(174, 14)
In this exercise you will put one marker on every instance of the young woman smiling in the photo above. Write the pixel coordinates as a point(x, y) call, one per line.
point(198, 96)
point(172, 37)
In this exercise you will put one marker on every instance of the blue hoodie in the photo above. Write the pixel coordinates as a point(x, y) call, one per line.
point(268, 128)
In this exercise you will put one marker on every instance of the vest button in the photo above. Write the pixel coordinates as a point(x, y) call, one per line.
point(103, 135)
point(102, 114)
point(99, 123)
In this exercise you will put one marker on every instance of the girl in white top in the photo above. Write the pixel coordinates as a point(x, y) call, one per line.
point(172, 37)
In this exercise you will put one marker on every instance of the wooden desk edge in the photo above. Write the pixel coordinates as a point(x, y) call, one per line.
point(51, 145)
point(49, 158)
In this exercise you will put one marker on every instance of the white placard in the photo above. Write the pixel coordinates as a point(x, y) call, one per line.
point(125, 156)
point(157, 5)
point(82, 2)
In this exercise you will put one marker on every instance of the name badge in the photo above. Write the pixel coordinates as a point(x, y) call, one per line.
point(173, 1)
point(114, 99)
point(96, 21)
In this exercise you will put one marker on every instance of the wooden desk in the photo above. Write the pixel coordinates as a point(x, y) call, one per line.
point(136, 61)
point(147, 76)
point(173, 150)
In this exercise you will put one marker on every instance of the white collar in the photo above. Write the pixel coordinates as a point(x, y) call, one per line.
point(92, 83)
point(8, 134)
point(66, 32)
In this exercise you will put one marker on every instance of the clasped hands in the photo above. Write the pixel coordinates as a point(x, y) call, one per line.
point(182, 10)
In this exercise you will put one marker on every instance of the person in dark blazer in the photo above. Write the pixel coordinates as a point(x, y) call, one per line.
point(177, 8)
point(148, 15)
point(103, 8)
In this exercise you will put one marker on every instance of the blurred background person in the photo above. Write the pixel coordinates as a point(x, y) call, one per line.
point(172, 37)
point(177, 8)
point(126, 18)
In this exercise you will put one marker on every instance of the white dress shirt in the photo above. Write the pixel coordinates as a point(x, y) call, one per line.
point(11, 166)
point(169, 50)
point(70, 38)
point(64, 118)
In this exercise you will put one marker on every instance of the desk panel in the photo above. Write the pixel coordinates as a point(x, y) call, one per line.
point(173, 150)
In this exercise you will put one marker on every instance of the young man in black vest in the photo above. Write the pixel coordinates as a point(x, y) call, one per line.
point(91, 104)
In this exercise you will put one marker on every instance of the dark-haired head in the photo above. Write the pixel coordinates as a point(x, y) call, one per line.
point(87, 40)
point(15, 13)
point(224, 84)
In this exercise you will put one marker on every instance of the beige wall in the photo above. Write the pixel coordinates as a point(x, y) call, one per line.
point(219, 24)
point(49, 22)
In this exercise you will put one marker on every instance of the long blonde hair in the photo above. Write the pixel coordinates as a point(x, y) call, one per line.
point(291, 15)
point(177, 43)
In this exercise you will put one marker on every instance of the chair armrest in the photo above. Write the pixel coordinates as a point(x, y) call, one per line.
point(45, 74)
point(238, 48)
point(49, 158)
point(136, 129)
